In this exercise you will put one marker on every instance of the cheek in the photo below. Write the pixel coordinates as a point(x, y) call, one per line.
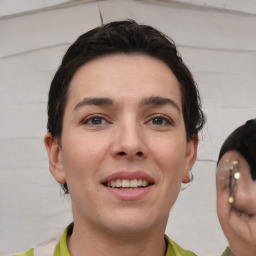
point(83, 157)
point(170, 154)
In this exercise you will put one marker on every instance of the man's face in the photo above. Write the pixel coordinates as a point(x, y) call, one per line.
point(123, 148)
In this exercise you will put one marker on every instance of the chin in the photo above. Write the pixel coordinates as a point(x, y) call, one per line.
point(128, 230)
point(130, 224)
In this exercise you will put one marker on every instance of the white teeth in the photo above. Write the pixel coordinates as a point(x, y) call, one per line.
point(144, 183)
point(118, 183)
point(133, 183)
point(113, 183)
point(125, 183)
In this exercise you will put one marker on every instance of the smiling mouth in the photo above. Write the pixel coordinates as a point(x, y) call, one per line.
point(128, 184)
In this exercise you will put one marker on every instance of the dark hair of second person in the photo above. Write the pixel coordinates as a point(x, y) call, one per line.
point(243, 140)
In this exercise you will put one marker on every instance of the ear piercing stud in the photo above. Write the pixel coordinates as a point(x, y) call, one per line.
point(234, 175)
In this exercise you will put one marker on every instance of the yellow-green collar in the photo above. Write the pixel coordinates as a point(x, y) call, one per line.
point(173, 249)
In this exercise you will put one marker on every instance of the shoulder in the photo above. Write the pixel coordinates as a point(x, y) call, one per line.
point(27, 253)
point(174, 249)
point(56, 246)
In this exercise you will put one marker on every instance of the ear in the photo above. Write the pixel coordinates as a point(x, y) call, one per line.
point(186, 177)
point(55, 158)
point(190, 159)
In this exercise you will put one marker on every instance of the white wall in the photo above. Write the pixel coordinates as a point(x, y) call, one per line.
point(219, 47)
point(245, 6)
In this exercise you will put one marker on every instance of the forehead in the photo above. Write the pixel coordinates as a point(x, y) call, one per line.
point(124, 75)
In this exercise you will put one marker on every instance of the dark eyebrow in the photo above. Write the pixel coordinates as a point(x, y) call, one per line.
point(94, 101)
point(159, 101)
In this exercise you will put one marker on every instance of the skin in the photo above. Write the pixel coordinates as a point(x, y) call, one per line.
point(127, 133)
point(238, 220)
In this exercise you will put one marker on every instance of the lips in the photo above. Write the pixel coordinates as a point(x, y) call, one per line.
point(128, 185)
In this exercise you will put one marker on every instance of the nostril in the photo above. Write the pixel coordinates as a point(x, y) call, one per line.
point(122, 153)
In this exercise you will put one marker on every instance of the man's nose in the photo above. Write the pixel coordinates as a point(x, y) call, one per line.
point(129, 142)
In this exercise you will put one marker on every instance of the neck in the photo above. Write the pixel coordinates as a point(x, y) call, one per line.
point(90, 241)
